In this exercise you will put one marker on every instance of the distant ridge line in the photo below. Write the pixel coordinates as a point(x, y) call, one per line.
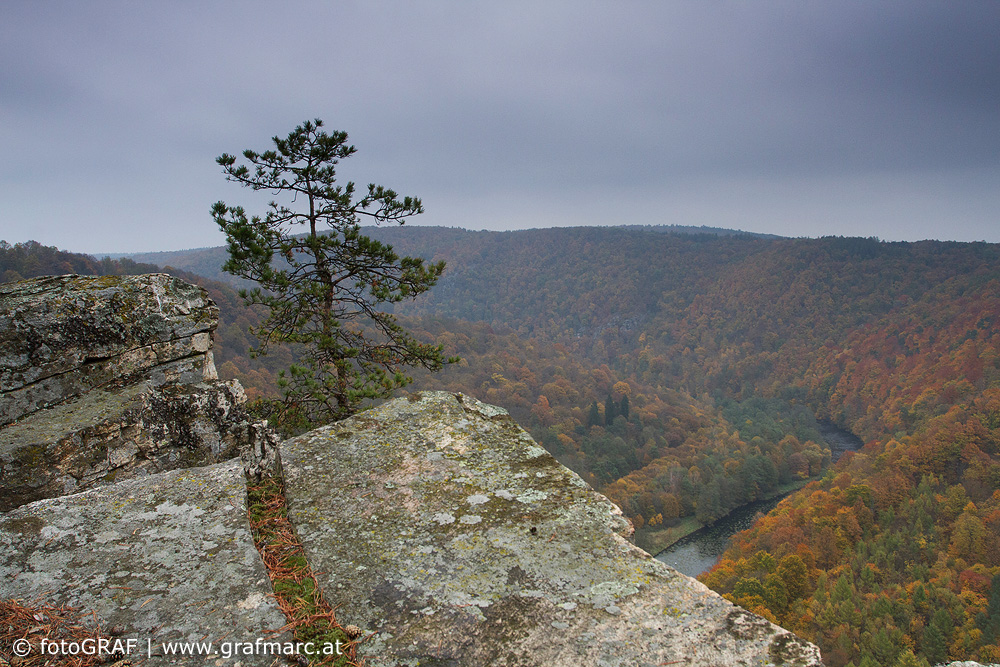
point(151, 256)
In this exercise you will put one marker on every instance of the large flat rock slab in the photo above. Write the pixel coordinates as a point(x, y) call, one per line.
point(168, 558)
point(438, 524)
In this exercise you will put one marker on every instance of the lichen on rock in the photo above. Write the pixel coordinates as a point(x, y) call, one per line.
point(103, 437)
point(113, 378)
point(442, 527)
point(168, 558)
point(63, 335)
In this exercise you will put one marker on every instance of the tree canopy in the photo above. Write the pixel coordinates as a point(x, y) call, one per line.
point(325, 289)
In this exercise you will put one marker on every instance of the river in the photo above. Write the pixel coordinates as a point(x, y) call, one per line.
point(700, 550)
point(838, 439)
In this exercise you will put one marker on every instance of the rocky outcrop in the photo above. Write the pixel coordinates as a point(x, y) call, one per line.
point(61, 336)
point(102, 437)
point(167, 559)
point(110, 382)
point(112, 378)
point(441, 527)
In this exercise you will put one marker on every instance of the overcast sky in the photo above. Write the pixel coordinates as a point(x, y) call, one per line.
point(797, 118)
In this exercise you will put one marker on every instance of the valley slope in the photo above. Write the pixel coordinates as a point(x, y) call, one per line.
point(680, 374)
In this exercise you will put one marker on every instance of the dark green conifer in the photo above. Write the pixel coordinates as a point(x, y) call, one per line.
point(610, 411)
point(594, 418)
point(325, 289)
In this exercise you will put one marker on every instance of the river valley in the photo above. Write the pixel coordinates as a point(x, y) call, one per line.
point(699, 551)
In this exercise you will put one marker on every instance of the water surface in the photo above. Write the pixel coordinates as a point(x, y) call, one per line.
point(838, 439)
point(700, 550)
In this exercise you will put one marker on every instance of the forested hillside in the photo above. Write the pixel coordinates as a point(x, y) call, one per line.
point(681, 373)
point(31, 259)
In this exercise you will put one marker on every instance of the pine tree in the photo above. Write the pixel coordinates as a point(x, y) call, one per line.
point(324, 289)
point(609, 411)
point(594, 417)
point(933, 644)
point(992, 625)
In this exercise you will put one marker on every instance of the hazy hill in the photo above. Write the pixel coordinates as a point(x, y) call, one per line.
point(585, 279)
point(460, 247)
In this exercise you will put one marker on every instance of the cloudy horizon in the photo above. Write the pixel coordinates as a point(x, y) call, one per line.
point(788, 118)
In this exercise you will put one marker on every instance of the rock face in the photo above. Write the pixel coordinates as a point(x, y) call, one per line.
point(63, 335)
point(440, 526)
point(112, 378)
point(167, 558)
point(102, 437)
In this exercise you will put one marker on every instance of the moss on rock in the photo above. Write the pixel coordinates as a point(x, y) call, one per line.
point(440, 526)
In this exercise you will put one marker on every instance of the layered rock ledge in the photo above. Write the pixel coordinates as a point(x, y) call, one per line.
point(111, 378)
point(110, 382)
point(441, 527)
point(61, 336)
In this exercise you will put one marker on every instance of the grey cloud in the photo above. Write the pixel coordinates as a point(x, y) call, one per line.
point(116, 110)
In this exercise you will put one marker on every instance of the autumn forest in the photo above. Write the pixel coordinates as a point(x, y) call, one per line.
point(683, 374)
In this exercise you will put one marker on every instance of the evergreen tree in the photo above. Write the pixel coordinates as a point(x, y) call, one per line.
point(933, 645)
point(609, 411)
point(991, 624)
point(594, 418)
point(324, 288)
point(623, 409)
